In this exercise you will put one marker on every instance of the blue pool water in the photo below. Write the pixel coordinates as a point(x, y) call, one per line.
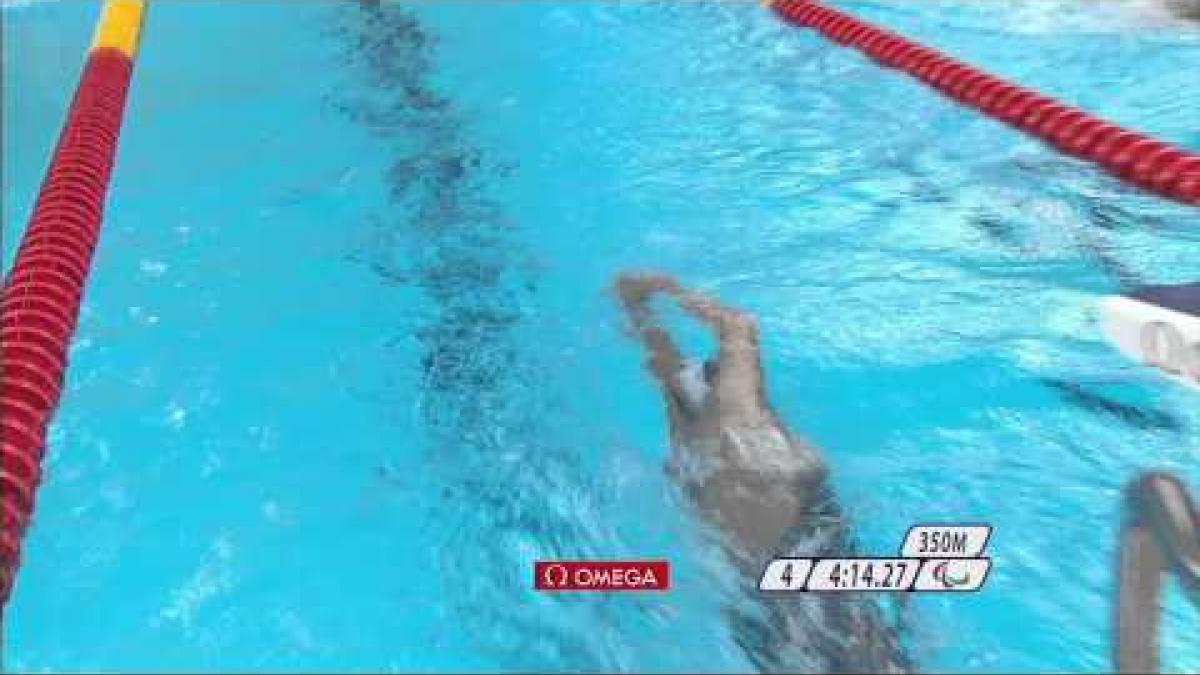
point(348, 363)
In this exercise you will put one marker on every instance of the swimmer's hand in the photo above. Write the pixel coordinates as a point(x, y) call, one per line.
point(635, 291)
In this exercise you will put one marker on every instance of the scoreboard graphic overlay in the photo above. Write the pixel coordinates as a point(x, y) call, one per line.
point(935, 557)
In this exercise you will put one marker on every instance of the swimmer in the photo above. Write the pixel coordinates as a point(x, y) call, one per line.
point(738, 461)
point(764, 488)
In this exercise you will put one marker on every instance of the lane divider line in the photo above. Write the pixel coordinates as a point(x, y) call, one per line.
point(41, 297)
point(1137, 158)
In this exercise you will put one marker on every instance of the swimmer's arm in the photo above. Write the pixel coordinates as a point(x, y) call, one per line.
point(725, 320)
point(665, 358)
point(703, 307)
point(738, 355)
point(635, 290)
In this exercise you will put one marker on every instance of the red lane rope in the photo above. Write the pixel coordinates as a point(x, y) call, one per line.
point(42, 294)
point(1137, 158)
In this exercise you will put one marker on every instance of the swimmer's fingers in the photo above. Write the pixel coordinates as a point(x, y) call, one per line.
point(702, 307)
point(632, 291)
point(640, 286)
point(661, 283)
point(635, 291)
point(725, 320)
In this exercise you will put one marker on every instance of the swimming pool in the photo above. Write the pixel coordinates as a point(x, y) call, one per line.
point(348, 363)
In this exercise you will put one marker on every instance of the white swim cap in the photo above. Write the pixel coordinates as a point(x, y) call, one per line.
point(693, 382)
